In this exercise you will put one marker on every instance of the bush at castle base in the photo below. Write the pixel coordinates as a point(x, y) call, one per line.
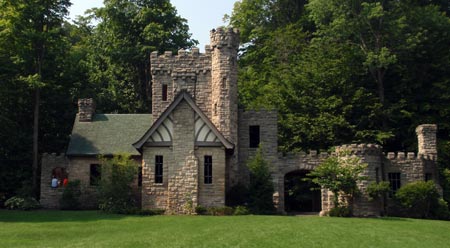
point(70, 199)
point(421, 200)
point(19, 203)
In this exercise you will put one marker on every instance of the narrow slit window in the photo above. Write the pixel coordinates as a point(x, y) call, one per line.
point(159, 169)
point(208, 170)
point(377, 174)
point(140, 176)
point(254, 136)
point(394, 181)
point(428, 177)
point(164, 92)
point(95, 174)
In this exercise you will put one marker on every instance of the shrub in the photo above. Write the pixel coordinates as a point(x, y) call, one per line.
point(241, 210)
point(150, 212)
point(216, 211)
point(340, 211)
point(200, 210)
point(237, 195)
point(260, 188)
point(20, 203)
point(377, 190)
point(441, 211)
point(418, 200)
point(70, 199)
point(115, 191)
point(220, 211)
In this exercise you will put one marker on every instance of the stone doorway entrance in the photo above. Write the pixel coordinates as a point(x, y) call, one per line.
point(298, 195)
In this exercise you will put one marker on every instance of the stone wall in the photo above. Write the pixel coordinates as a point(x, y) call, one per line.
point(212, 195)
point(50, 196)
point(76, 168)
point(154, 195)
point(411, 167)
point(267, 122)
point(183, 185)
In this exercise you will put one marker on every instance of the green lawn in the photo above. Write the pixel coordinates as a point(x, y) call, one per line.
point(93, 229)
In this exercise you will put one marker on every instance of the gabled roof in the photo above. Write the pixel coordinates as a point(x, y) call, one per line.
point(108, 134)
point(165, 115)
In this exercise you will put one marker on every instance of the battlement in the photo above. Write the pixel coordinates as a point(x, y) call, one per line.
point(54, 155)
point(360, 149)
point(184, 64)
point(400, 156)
point(224, 37)
point(311, 154)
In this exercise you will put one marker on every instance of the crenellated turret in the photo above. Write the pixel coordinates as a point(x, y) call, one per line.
point(224, 45)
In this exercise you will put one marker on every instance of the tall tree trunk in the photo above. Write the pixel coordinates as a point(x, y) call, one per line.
point(36, 142)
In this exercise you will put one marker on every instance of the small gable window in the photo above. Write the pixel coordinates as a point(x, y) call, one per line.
point(394, 181)
point(254, 136)
point(164, 92)
point(95, 174)
point(159, 169)
point(208, 170)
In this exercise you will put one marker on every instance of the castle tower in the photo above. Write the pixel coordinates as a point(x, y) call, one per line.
point(371, 154)
point(426, 137)
point(224, 92)
point(224, 48)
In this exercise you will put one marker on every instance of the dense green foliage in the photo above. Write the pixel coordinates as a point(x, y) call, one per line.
point(70, 199)
point(115, 188)
point(339, 174)
point(377, 191)
point(48, 63)
point(260, 187)
point(421, 200)
point(52, 229)
point(117, 59)
point(345, 71)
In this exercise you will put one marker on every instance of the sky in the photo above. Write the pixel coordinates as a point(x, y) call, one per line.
point(202, 15)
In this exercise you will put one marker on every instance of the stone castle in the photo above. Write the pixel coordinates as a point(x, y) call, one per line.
point(195, 145)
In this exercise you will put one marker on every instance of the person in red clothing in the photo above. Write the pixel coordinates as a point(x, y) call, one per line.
point(65, 182)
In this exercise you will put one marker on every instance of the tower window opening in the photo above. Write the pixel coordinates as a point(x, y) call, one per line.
point(164, 92)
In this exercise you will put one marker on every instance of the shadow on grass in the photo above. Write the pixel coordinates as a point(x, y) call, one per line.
point(55, 216)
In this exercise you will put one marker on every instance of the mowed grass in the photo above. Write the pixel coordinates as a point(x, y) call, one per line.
point(95, 229)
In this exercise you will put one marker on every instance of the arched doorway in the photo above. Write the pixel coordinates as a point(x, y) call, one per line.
point(298, 196)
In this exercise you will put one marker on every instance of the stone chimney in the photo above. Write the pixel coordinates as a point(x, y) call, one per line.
point(86, 109)
point(426, 136)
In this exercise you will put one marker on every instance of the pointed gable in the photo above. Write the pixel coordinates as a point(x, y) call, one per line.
point(161, 132)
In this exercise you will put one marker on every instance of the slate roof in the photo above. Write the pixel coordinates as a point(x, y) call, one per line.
point(108, 134)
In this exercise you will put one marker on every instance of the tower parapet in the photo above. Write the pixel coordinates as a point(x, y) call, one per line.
point(224, 37)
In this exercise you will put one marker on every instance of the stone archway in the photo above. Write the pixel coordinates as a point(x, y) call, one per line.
point(298, 196)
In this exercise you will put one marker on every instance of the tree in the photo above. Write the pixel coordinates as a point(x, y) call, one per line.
point(118, 59)
point(29, 32)
point(260, 188)
point(115, 189)
point(359, 71)
point(339, 174)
